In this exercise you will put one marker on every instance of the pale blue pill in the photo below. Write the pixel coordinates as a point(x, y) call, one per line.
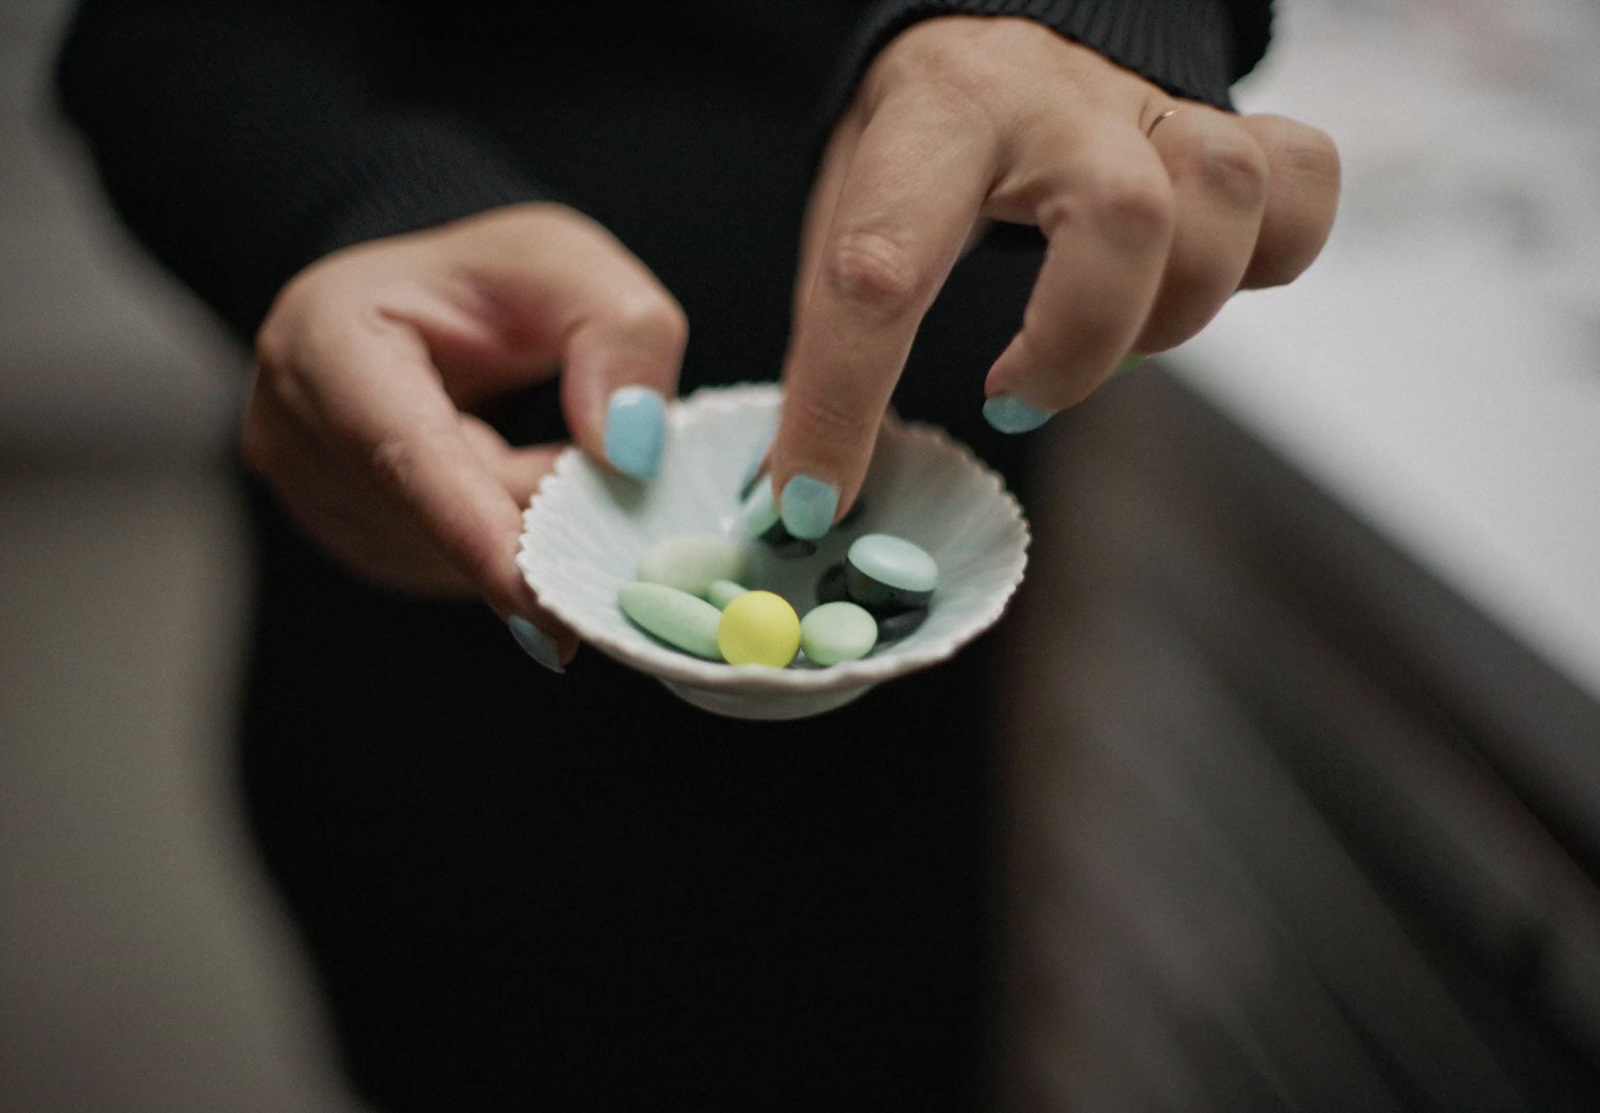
point(676, 617)
point(894, 561)
point(758, 518)
point(760, 512)
point(885, 573)
point(692, 563)
point(758, 459)
point(837, 632)
point(722, 592)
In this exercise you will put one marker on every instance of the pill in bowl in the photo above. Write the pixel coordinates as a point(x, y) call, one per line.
point(587, 533)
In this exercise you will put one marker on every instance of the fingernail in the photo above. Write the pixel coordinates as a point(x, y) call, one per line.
point(1010, 414)
point(636, 430)
point(535, 643)
point(808, 507)
point(758, 456)
point(1129, 362)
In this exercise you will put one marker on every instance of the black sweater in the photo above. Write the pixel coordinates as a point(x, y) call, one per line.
point(242, 139)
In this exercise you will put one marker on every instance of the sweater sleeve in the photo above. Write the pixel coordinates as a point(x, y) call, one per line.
point(1191, 48)
point(241, 141)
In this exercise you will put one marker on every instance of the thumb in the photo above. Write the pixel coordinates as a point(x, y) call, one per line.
point(570, 290)
point(519, 471)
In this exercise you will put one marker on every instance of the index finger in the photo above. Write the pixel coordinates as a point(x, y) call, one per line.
point(911, 192)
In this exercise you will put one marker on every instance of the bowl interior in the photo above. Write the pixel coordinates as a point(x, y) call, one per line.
point(587, 529)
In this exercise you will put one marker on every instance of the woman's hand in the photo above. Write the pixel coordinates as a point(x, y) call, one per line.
point(1154, 218)
point(369, 364)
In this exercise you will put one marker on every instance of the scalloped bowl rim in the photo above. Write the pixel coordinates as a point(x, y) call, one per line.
point(667, 664)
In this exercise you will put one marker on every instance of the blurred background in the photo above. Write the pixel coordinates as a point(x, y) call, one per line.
point(1354, 528)
point(143, 964)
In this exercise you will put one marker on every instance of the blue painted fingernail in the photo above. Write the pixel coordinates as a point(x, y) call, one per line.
point(1129, 362)
point(808, 507)
point(535, 643)
point(1010, 414)
point(636, 430)
point(758, 457)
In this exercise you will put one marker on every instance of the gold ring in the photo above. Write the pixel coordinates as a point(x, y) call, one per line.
point(1158, 119)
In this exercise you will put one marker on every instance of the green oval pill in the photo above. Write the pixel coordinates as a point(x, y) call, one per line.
point(681, 620)
point(723, 592)
point(692, 563)
point(837, 632)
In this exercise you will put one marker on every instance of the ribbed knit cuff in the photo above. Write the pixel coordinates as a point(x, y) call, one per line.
point(1190, 48)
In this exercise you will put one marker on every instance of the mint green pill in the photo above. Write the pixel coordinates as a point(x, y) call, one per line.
point(837, 632)
point(723, 592)
point(681, 620)
point(692, 563)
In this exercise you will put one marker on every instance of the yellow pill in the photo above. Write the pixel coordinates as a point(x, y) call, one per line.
point(759, 628)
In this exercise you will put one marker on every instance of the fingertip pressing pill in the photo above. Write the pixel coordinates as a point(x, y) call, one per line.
point(723, 592)
point(837, 632)
point(681, 620)
point(691, 563)
point(761, 521)
point(759, 628)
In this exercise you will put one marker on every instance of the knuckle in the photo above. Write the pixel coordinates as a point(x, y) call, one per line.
point(1232, 168)
point(1311, 153)
point(874, 270)
point(394, 463)
point(829, 419)
point(655, 321)
point(932, 51)
point(1136, 209)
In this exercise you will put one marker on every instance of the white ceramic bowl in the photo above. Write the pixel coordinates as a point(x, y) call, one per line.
point(586, 529)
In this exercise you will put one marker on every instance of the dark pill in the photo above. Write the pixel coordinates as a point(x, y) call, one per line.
point(831, 589)
point(896, 626)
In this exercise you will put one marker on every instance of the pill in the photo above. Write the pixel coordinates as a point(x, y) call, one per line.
point(676, 617)
point(692, 563)
point(893, 627)
point(759, 628)
point(723, 592)
point(761, 522)
point(886, 573)
point(836, 632)
point(893, 623)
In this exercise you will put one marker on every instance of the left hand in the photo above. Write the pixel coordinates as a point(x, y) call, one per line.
point(1153, 222)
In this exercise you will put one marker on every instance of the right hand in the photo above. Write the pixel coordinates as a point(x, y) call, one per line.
point(369, 364)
